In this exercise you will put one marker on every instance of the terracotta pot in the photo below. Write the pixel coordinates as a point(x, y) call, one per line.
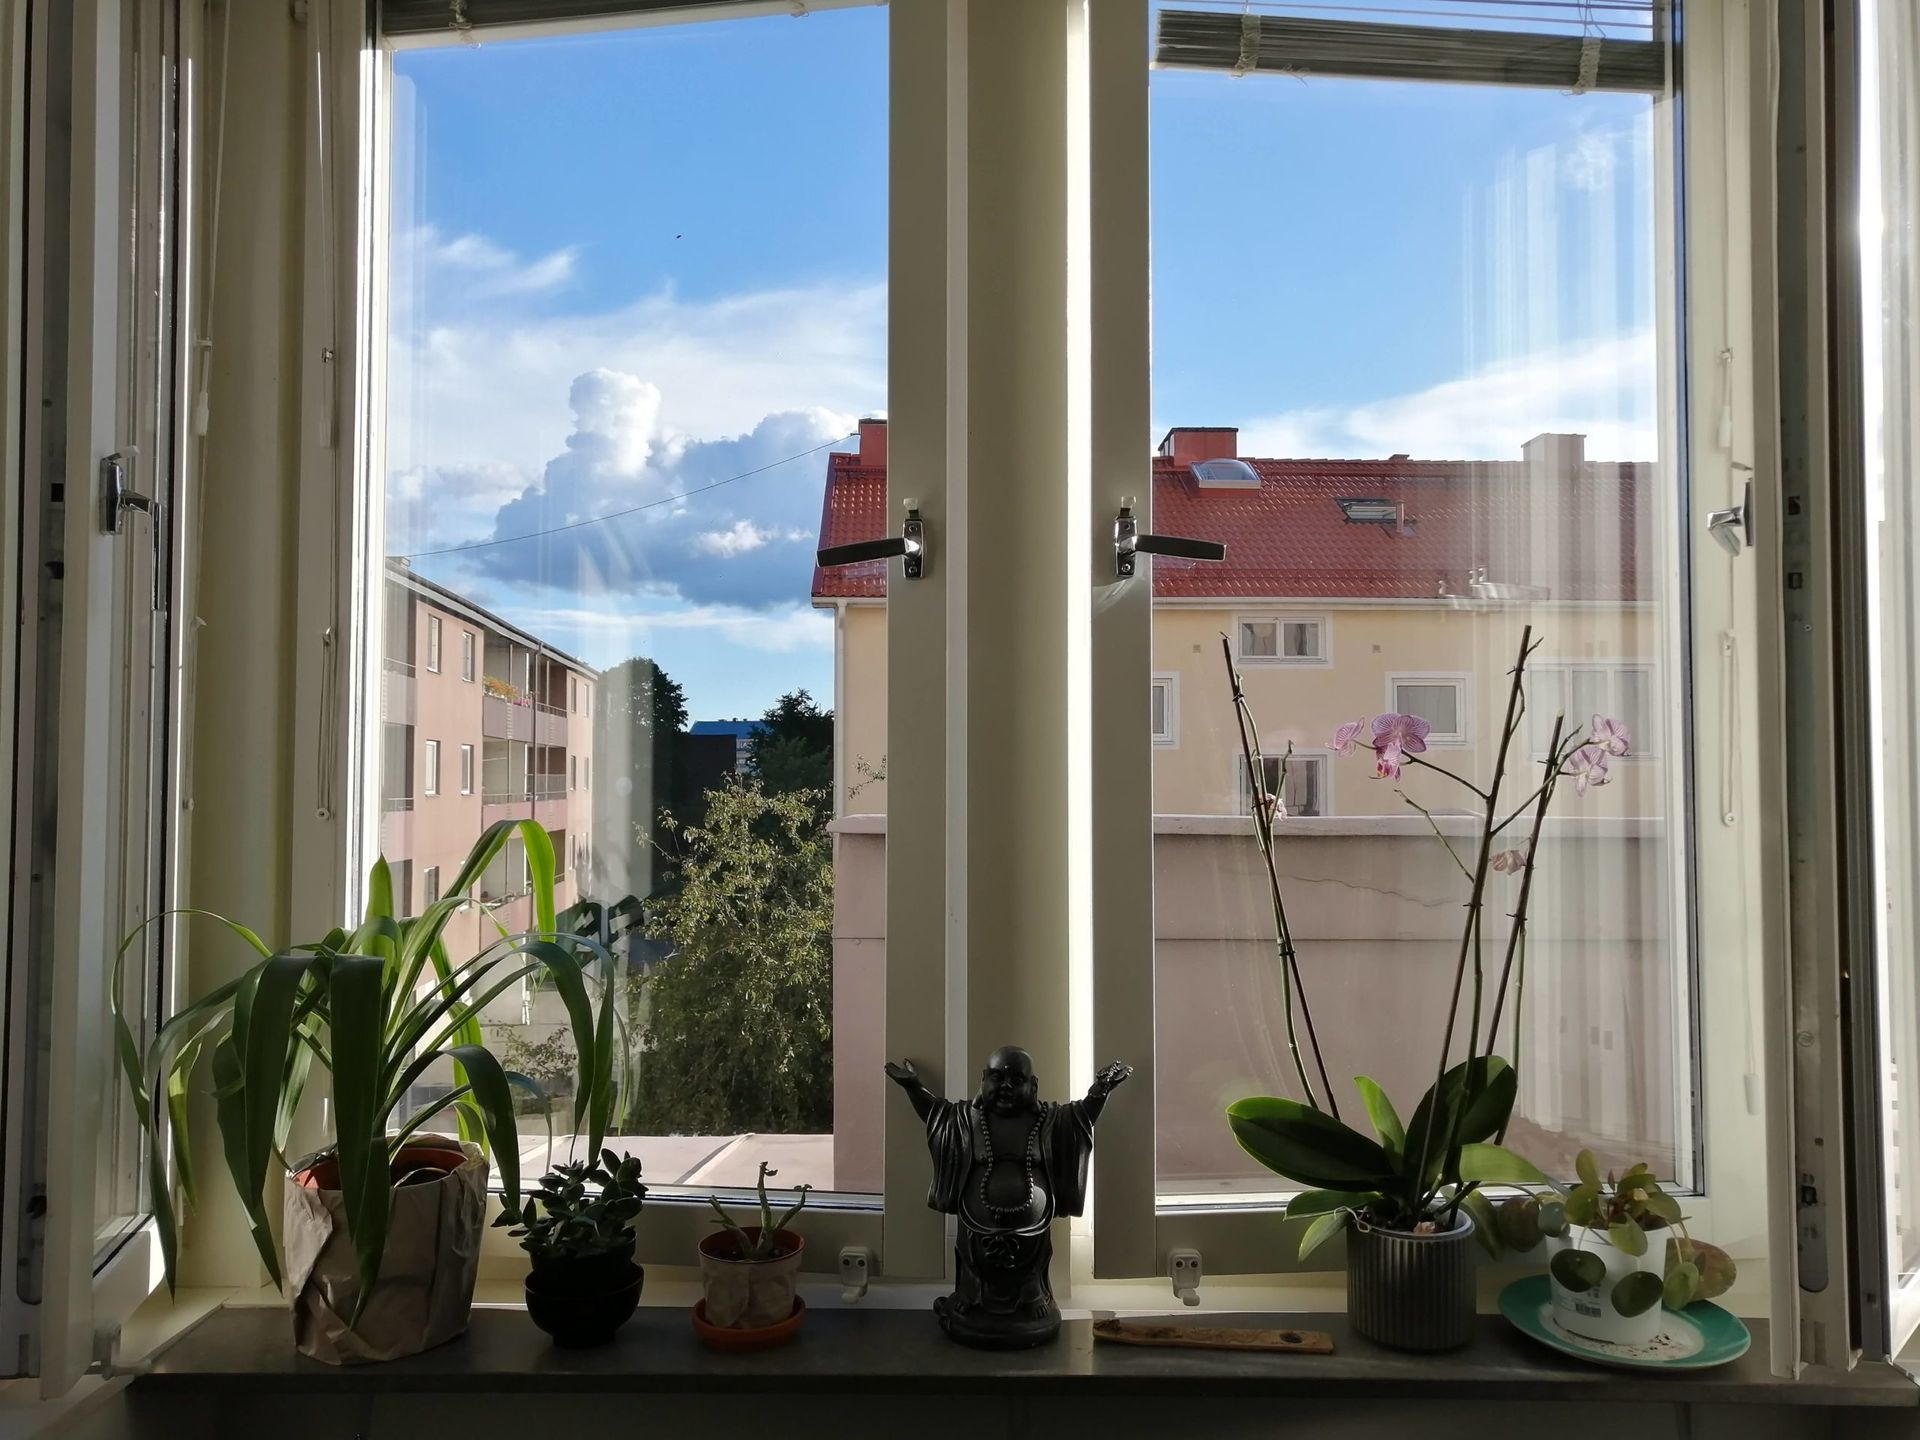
point(427, 1270)
point(748, 1294)
point(1412, 1292)
point(718, 1337)
point(1590, 1313)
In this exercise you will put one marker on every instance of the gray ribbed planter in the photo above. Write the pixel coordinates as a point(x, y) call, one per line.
point(1412, 1292)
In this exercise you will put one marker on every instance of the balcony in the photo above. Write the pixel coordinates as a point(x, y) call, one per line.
point(396, 827)
point(549, 724)
point(543, 798)
point(396, 692)
point(504, 717)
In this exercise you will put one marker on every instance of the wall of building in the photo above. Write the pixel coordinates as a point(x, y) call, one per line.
point(1376, 909)
point(860, 710)
point(1305, 703)
point(447, 709)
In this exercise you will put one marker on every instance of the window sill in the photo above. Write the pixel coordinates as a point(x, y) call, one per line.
point(880, 1351)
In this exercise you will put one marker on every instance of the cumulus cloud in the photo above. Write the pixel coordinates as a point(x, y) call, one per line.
point(1603, 389)
point(632, 506)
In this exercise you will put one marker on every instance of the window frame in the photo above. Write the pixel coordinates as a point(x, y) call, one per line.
point(1462, 683)
point(1168, 737)
point(1735, 1135)
point(906, 1239)
point(1321, 621)
point(467, 647)
point(1614, 668)
point(429, 767)
point(1319, 757)
point(433, 643)
point(466, 769)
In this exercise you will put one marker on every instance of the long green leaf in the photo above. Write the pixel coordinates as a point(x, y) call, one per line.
point(1308, 1145)
point(1323, 1229)
point(263, 1033)
point(230, 1106)
point(494, 1096)
point(1386, 1121)
point(1496, 1165)
point(1318, 1202)
point(366, 1183)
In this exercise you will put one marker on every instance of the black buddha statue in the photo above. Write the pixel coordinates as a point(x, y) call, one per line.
point(1006, 1163)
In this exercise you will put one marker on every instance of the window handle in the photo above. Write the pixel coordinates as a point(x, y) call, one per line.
point(911, 545)
point(1128, 542)
point(1733, 526)
point(116, 498)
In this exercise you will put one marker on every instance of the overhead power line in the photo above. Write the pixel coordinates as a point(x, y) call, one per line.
point(631, 509)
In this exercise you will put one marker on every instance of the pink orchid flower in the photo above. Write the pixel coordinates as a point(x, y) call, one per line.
point(1276, 807)
point(1394, 738)
point(1588, 767)
point(1609, 734)
point(1345, 737)
point(1402, 732)
point(1509, 861)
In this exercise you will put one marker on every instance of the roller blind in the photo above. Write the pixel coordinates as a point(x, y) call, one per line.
point(475, 17)
point(1354, 49)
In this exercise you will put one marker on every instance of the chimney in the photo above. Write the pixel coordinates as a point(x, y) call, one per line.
point(1556, 455)
point(1189, 443)
point(873, 443)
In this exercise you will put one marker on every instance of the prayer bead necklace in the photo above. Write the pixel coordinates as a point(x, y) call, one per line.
point(1029, 1152)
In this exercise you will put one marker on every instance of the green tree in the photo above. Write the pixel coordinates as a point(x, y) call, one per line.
point(793, 750)
point(740, 1034)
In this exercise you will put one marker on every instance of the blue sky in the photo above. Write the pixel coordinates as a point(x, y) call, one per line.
point(630, 266)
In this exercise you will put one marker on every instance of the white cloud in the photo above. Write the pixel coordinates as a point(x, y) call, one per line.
point(470, 267)
point(1602, 389)
point(795, 629)
point(741, 537)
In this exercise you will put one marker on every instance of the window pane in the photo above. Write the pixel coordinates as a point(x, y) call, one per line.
point(1500, 463)
point(631, 347)
point(1159, 703)
point(1436, 703)
point(1258, 639)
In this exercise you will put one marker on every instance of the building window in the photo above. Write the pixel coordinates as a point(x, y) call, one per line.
point(466, 655)
point(586, 771)
point(573, 694)
point(433, 643)
point(1300, 779)
point(466, 769)
point(1440, 700)
point(430, 885)
point(1281, 640)
point(430, 778)
point(1584, 689)
point(1165, 701)
point(573, 772)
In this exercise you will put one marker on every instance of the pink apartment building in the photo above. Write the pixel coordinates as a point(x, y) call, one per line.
point(481, 721)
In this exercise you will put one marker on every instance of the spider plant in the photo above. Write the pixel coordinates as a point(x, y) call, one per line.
point(374, 1007)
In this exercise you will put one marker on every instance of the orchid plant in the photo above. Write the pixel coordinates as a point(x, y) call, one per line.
point(1418, 1176)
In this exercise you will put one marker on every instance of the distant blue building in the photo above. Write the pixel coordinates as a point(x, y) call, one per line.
point(742, 732)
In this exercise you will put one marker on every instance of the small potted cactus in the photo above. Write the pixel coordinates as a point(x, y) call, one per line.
point(748, 1272)
point(1618, 1250)
point(583, 1285)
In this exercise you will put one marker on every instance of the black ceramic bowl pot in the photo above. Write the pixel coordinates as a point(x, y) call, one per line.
point(582, 1302)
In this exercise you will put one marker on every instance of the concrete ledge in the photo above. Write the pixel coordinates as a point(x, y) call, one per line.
point(862, 1351)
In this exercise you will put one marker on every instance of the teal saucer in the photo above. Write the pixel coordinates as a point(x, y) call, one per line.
point(1697, 1338)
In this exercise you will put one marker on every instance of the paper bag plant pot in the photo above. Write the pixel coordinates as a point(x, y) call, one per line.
point(749, 1294)
point(427, 1272)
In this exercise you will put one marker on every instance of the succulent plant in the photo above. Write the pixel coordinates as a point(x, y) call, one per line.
point(1631, 1210)
point(577, 1223)
point(760, 1246)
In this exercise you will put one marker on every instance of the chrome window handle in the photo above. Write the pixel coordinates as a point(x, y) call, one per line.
point(1733, 526)
point(910, 544)
point(1129, 542)
point(116, 498)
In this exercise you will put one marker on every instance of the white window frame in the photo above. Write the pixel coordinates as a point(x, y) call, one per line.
point(1243, 788)
point(1462, 683)
point(467, 648)
point(1280, 619)
point(430, 767)
point(1643, 739)
point(1168, 736)
point(433, 642)
point(466, 769)
point(921, 703)
point(1745, 1145)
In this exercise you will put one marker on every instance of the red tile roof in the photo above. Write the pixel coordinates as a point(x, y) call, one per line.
point(1290, 539)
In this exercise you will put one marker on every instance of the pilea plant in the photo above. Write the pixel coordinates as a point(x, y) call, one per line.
point(1417, 1177)
point(589, 1209)
point(760, 1246)
point(1632, 1211)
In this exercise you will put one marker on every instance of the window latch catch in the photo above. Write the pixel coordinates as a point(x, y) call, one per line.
point(1129, 542)
point(910, 545)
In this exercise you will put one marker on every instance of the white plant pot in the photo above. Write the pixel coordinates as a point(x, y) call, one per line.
point(1590, 1313)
